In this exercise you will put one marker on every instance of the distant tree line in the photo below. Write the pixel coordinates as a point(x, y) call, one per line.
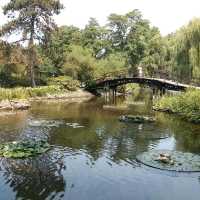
point(124, 43)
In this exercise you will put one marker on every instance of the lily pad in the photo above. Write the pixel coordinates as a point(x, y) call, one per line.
point(181, 162)
point(23, 149)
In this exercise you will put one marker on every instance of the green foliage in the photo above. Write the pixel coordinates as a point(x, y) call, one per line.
point(154, 59)
point(23, 149)
point(59, 45)
point(129, 34)
point(80, 63)
point(185, 52)
point(112, 64)
point(64, 82)
point(32, 20)
point(186, 104)
point(95, 37)
point(127, 42)
point(26, 93)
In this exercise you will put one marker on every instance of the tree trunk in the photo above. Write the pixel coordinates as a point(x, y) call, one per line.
point(31, 64)
point(32, 56)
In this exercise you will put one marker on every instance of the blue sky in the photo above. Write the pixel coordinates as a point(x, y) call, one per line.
point(168, 15)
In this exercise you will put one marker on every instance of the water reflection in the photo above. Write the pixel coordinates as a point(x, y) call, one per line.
point(97, 159)
point(35, 178)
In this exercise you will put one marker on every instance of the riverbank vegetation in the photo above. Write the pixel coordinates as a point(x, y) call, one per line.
point(55, 86)
point(186, 104)
point(28, 92)
point(52, 57)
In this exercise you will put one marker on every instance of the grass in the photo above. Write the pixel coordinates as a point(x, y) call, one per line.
point(185, 104)
point(56, 85)
point(27, 92)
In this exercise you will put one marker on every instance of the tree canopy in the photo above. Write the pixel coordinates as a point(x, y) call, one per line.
point(32, 20)
point(126, 42)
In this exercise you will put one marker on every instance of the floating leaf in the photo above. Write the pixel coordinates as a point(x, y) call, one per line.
point(23, 149)
point(182, 162)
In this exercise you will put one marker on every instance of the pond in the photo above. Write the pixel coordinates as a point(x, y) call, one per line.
point(94, 155)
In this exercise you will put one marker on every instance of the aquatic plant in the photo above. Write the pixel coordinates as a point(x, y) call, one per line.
point(170, 160)
point(23, 149)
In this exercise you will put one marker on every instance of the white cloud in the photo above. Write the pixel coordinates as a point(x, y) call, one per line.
point(168, 15)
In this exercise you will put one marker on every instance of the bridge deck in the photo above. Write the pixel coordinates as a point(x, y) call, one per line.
point(173, 83)
point(152, 82)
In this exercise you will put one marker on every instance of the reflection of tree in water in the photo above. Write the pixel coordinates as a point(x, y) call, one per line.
point(132, 139)
point(36, 178)
point(186, 134)
point(118, 141)
point(124, 145)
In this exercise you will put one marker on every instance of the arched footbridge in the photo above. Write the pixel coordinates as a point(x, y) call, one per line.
point(113, 83)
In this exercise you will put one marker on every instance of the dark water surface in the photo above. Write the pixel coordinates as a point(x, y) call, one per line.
point(94, 159)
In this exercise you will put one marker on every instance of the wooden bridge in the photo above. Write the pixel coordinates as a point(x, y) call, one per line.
point(122, 79)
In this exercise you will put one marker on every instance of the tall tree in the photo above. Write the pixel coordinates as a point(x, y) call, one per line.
point(32, 20)
point(95, 37)
point(128, 34)
point(155, 58)
point(59, 45)
point(118, 28)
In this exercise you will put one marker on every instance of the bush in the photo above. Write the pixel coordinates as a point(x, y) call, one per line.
point(187, 104)
point(79, 63)
point(65, 82)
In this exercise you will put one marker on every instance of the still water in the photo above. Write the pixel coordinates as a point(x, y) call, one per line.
point(93, 154)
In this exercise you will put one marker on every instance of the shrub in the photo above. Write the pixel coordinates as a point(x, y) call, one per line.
point(65, 82)
point(187, 104)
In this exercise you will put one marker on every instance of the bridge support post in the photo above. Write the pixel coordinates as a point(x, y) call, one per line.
point(114, 94)
point(163, 91)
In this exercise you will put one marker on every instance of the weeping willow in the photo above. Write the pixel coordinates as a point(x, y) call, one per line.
point(187, 51)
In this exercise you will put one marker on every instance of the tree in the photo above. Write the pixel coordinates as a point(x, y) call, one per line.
point(155, 59)
point(79, 63)
point(118, 28)
point(32, 20)
point(95, 37)
point(59, 44)
point(185, 48)
point(128, 34)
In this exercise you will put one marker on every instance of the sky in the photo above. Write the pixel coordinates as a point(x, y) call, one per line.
point(167, 15)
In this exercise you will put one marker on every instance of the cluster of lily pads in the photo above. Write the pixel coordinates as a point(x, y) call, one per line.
point(29, 148)
point(171, 160)
point(52, 123)
point(23, 149)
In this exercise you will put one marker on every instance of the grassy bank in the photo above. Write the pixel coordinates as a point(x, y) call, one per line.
point(55, 86)
point(26, 93)
point(185, 104)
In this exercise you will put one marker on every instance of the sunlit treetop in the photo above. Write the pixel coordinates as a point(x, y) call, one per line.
point(26, 16)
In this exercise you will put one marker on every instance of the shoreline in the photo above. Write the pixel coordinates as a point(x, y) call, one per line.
point(25, 104)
